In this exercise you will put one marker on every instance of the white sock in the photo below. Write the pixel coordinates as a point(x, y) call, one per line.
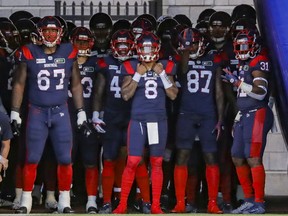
point(91, 202)
point(64, 200)
point(26, 200)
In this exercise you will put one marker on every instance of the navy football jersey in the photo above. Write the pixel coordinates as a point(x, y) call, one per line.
point(260, 63)
point(150, 97)
point(198, 85)
point(87, 74)
point(48, 74)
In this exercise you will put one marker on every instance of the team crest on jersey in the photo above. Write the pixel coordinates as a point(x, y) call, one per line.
point(41, 61)
point(234, 61)
point(207, 63)
point(191, 63)
point(50, 57)
point(246, 67)
point(88, 69)
point(59, 61)
point(113, 67)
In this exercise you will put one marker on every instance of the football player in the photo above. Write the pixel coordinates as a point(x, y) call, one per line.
point(47, 69)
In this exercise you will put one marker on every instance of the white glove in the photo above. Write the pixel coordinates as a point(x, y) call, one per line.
point(15, 116)
point(4, 162)
point(81, 117)
point(98, 123)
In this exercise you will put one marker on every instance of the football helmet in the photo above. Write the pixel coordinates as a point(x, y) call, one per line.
point(241, 24)
point(65, 34)
point(184, 20)
point(246, 44)
point(203, 27)
point(148, 47)
point(9, 37)
point(205, 15)
point(83, 40)
point(219, 26)
point(122, 44)
point(25, 28)
point(121, 24)
point(100, 25)
point(50, 30)
point(193, 41)
point(151, 18)
point(243, 11)
point(140, 25)
point(166, 31)
point(17, 15)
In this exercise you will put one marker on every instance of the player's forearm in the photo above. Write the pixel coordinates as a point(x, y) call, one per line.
point(17, 96)
point(77, 93)
point(128, 88)
point(5, 148)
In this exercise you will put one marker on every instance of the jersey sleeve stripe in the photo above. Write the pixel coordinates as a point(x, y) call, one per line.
point(73, 54)
point(27, 53)
point(169, 67)
point(128, 67)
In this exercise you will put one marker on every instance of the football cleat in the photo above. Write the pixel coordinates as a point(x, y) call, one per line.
point(227, 208)
point(92, 210)
point(21, 210)
point(138, 204)
point(255, 209)
point(68, 210)
point(106, 209)
point(16, 204)
point(190, 208)
point(51, 205)
point(146, 208)
point(244, 207)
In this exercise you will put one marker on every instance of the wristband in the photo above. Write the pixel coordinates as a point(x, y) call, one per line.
point(137, 77)
point(165, 80)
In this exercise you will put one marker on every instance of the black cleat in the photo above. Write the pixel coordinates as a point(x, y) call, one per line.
point(68, 210)
point(21, 210)
point(92, 210)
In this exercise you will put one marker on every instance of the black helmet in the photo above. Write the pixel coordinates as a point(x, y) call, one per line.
point(183, 19)
point(205, 15)
point(20, 15)
point(243, 11)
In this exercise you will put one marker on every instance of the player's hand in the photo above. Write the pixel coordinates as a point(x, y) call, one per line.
point(98, 123)
point(82, 122)
point(15, 121)
point(141, 69)
point(218, 129)
point(158, 68)
point(4, 162)
point(231, 78)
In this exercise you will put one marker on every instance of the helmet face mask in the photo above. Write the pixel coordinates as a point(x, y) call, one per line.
point(148, 47)
point(122, 44)
point(83, 40)
point(245, 45)
point(50, 31)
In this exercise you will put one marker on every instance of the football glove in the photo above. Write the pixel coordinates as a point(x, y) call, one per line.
point(15, 121)
point(82, 122)
point(230, 77)
point(218, 128)
point(98, 123)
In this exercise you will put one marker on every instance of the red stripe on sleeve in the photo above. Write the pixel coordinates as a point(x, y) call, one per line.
point(27, 53)
point(169, 67)
point(128, 67)
point(73, 54)
point(101, 63)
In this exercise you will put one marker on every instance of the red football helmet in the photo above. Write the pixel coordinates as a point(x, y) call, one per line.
point(122, 44)
point(246, 44)
point(193, 41)
point(148, 47)
point(140, 25)
point(50, 30)
point(83, 40)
